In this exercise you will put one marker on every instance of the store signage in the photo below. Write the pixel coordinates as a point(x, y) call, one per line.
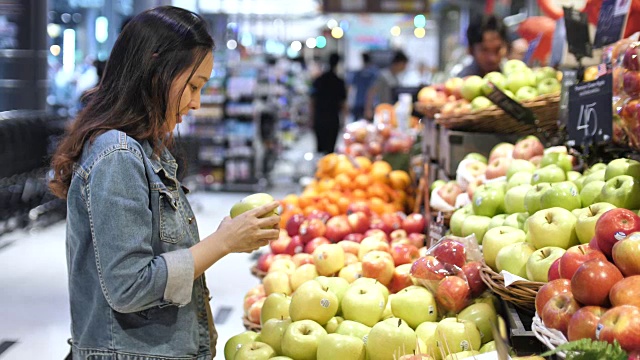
point(569, 78)
point(376, 6)
point(590, 112)
point(510, 106)
point(577, 29)
point(611, 22)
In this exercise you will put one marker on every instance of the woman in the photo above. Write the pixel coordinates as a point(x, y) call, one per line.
point(135, 262)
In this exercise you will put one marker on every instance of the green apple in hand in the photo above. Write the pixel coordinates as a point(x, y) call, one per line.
point(251, 202)
point(232, 345)
point(332, 325)
point(276, 306)
point(337, 346)
point(255, 351)
point(532, 199)
point(622, 167)
point(312, 301)
point(456, 335)
point(427, 333)
point(457, 219)
point(519, 179)
point(353, 328)
point(415, 305)
point(564, 194)
point(496, 221)
point(587, 218)
point(520, 166)
point(300, 340)
point(389, 338)
point(548, 174)
point(488, 201)
point(560, 159)
point(590, 193)
point(622, 191)
point(273, 331)
point(513, 258)
point(363, 303)
point(477, 225)
point(496, 239)
point(482, 315)
point(514, 199)
point(553, 227)
point(517, 220)
point(540, 261)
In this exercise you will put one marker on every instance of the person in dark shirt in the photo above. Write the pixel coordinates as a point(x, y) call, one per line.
point(328, 104)
point(362, 81)
point(487, 39)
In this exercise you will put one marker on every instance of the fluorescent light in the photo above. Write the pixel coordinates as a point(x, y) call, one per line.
point(102, 29)
point(337, 32)
point(68, 50)
point(395, 31)
point(232, 44)
point(296, 46)
point(311, 43)
point(321, 42)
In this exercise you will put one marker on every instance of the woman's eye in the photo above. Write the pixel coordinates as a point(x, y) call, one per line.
point(194, 88)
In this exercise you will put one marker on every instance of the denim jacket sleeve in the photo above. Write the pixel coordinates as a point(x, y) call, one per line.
point(132, 277)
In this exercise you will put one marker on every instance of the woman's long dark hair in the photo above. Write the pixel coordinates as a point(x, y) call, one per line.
point(152, 50)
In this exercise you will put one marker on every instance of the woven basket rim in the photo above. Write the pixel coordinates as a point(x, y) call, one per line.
point(257, 272)
point(250, 325)
point(519, 293)
point(549, 337)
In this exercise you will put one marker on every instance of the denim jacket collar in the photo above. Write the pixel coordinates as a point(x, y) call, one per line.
point(164, 162)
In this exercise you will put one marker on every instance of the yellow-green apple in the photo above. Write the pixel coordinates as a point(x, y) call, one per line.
point(251, 202)
point(436, 184)
point(372, 243)
point(597, 175)
point(415, 305)
point(476, 225)
point(622, 324)
point(488, 201)
point(353, 328)
point(592, 281)
point(540, 262)
point(397, 235)
point(337, 285)
point(454, 335)
point(622, 191)
point(378, 265)
point(414, 223)
point(276, 306)
point(595, 167)
point(557, 313)
point(272, 332)
point(498, 167)
point(553, 227)
point(283, 264)
point(495, 77)
point(548, 86)
point(587, 219)
point(590, 192)
point(462, 355)
point(532, 198)
point(253, 314)
point(351, 272)
point(579, 183)
point(389, 338)
point(301, 275)
point(517, 220)
point(311, 246)
point(545, 72)
point(314, 302)
point(576, 256)
point(328, 259)
point(311, 228)
point(337, 228)
point(332, 325)
point(302, 259)
point(501, 150)
point(300, 340)
point(369, 281)
point(256, 350)
point(293, 224)
point(403, 253)
point(519, 165)
point(401, 278)
point(471, 87)
point(387, 313)
point(526, 93)
point(480, 102)
point(429, 268)
point(583, 323)
point(488, 347)
point(549, 290)
point(277, 282)
point(363, 303)
point(376, 233)
point(427, 333)
point(476, 156)
point(450, 251)
point(470, 272)
point(514, 66)
point(483, 315)
point(457, 219)
point(264, 261)
point(496, 239)
point(622, 166)
point(453, 294)
point(449, 192)
point(626, 292)
point(337, 346)
point(497, 220)
point(573, 176)
point(238, 341)
point(519, 179)
point(564, 194)
point(513, 258)
point(548, 174)
point(514, 199)
point(626, 254)
point(613, 226)
point(558, 158)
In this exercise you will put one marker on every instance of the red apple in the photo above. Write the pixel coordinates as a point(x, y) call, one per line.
point(264, 261)
point(626, 292)
point(576, 256)
point(350, 247)
point(634, 355)
point(378, 265)
point(471, 273)
point(313, 244)
point(428, 268)
point(311, 229)
point(497, 167)
point(404, 254)
point(631, 60)
point(253, 314)
point(594, 244)
point(377, 233)
point(473, 185)
point(536, 160)
point(631, 83)
point(281, 256)
point(414, 223)
point(453, 86)
point(613, 226)
point(417, 240)
point(374, 147)
point(424, 251)
point(549, 290)
point(449, 251)
point(293, 224)
point(376, 223)
point(337, 228)
point(528, 148)
point(558, 311)
point(626, 254)
point(359, 222)
point(369, 244)
point(592, 281)
point(256, 290)
point(453, 294)
point(502, 150)
point(319, 214)
point(249, 301)
point(392, 221)
point(359, 206)
point(354, 237)
point(397, 235)
point(279, 246)
point(449, 192)
point(621, 323)
point(295, 246)
point(584, 322)
point(302, 258)
point(401, 278)
point(554, 273)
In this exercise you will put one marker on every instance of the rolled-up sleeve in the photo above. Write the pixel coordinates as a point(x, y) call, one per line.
point(132, 277)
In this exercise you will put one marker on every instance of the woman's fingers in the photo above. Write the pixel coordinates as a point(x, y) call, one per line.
point(269, 222)
point(268, 234)
point(264, 209)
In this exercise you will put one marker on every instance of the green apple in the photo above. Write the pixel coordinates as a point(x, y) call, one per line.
point(353, 328)
point(363, 303)
point(573, 175)
point(514, 199)
point(388, 313)
point(480, 103)
point(520, 166)
point(389, 338)
point(510, 94)
point(272, 332)
point(545, 72)
point(519, 179)
point(456, 335)
point(497, 220)
point(622, 167)
point(482, 315)
point(548, 86)
point(488, 347)
point(332, 325)
point(513, 258)
point(496, 78)
point(251, 202)
point(476, 156)
point(302, 274)
point(622, 191)
point(540, 261)
point(488, 298)
point(580, 182)
point(590, 193)
point(377, 284)
point(517, 220)
point(526, 93)
point(457, 219)
point(312, 301)
point(519, 80)
point(597, 175)
point(427, 333)
point(276, 306)
point(560, 159)
point(532, 199)
point(595, 167)
point(549, 174)
point(471, 87)
point(564, 194)
point(255, 351)
point(337, 346)
point(497, 238)
point(553, 227)
point(476, 225)
point(232, 345)
point(462, 355)
point(587, 218)
point(488, 201)
point(336, 285)
point(415, 305)
point(514, 66)
point(281, 358)
point(497, 185)
point(300, 340)
point(436, 184)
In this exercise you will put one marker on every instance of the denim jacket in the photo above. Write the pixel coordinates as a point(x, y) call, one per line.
point(129, 229)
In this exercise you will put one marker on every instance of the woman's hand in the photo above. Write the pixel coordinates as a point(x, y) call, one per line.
point(250, 230)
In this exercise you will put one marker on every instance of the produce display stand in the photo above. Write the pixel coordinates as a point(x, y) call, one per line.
point(521, 294)
point(521, 334)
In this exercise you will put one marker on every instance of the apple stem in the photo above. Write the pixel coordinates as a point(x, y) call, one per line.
point(399, 322)
point(549, 218)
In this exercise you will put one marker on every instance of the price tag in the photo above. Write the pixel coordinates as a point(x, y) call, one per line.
point(569, 78)
point(611, 22)
point(511, 106)
point(590, 114)
point(577, 29)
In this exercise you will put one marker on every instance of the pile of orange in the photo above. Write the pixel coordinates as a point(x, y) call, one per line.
point(341, 180)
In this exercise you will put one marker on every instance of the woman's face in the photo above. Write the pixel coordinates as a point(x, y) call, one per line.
point(189, 96)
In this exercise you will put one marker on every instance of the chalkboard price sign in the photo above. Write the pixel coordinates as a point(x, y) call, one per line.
point(590, 112)
point(510, 106)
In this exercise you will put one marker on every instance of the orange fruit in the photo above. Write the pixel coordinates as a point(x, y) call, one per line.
point(362, 181)
point(363, 162)
point(332, 209)
point(343, 204)
point(377, 205)
point(399, 179)
point(359, 194)
point(343, 181)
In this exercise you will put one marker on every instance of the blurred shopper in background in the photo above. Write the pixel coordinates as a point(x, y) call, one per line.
point(518, 49)
point(487, 44)
point(381, 92)
point(362, 81)
point(328, 106)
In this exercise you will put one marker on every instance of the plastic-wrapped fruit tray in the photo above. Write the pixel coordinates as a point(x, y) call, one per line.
point(520, 293)
point(550, 337)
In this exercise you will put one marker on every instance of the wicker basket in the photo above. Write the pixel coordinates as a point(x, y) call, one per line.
point(521, 293)
point(495, 120)
point(257, 272)
point(427, 110)
point(549, 337)
point(251, 326)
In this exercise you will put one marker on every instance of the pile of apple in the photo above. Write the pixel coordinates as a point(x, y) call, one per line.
point(594, 290)
point(362, 138)
point(628, 105)
point(458, 96)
